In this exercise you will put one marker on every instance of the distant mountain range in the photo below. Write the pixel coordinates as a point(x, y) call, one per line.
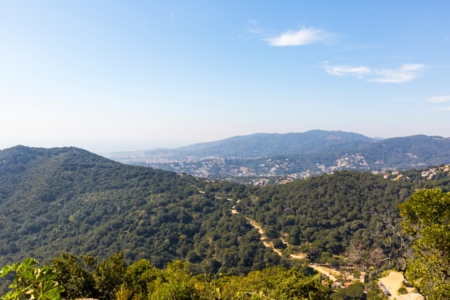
point(252, 146)
point(298, 154)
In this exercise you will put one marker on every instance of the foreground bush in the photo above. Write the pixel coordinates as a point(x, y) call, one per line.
point(72, 277)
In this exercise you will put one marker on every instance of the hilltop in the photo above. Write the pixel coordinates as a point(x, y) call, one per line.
point(73, 200)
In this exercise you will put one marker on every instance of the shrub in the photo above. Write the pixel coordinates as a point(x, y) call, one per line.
point(402, 290)
point(385, 273)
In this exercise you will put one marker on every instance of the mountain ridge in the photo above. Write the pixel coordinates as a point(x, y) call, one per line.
point(252, 146)
point(390, 154)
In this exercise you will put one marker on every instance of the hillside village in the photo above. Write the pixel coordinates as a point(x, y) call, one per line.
point(278, 170)
point(270, 167)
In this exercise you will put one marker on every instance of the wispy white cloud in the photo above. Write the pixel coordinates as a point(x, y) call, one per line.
point(348, 71)
point(444, 108)
point(439, 99)
point(254, 27)
point(406, 73)
point(301, 37)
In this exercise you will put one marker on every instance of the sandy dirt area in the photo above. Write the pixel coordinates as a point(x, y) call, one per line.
point(393, 282)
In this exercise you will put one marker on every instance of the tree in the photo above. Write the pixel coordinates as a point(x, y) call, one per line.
point(355, 290)
point(73, 273)
point(402, 290)
point(372, 295)
point(427, 216)
point(32, 283)
point(356, 274)
point(278, 244)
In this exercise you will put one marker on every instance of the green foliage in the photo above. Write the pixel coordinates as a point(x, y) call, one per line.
point(138, 275)
point(85, 277)
point(278, 244)
point(295, 286)
point(372, 295)
point(144, 282)
point(271, 283)
point(427, 217)
point(32, 282)
point(67, 199)
point(402, 290)
point(328, 213)
point(73, 274)
point(353, 291)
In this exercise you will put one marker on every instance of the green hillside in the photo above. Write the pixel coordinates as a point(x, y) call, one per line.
point(69, 199)
point(329, 212)
point(72, 200)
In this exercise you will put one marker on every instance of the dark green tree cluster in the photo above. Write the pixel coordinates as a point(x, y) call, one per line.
point(324, 215)
point(67, 199)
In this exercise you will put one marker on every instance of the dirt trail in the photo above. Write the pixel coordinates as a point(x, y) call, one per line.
point(325, 271)
point(268, 243)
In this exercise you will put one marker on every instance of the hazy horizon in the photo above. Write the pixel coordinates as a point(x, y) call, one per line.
point(105, 147)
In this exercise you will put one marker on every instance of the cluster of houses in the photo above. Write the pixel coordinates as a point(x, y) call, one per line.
point(429, 174)
point(346, 162)
point(433, 171)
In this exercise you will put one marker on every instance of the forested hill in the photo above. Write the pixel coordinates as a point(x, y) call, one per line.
point(325, 214)
point(253, 146)
point(69, 199)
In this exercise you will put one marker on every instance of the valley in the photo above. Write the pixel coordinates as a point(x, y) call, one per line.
point(68, 199)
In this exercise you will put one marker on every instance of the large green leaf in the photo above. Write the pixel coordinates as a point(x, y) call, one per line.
point(27, 263)
point(48, 290)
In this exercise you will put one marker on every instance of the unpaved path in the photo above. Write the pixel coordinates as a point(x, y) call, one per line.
point(269, 243)
point(324, 271)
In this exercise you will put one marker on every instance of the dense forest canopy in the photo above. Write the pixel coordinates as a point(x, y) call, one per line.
point(327, 213)
point(69, 199)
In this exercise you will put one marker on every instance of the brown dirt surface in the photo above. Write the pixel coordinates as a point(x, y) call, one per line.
point(393, 282)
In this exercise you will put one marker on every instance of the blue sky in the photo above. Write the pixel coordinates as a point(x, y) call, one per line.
point(125, 75)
